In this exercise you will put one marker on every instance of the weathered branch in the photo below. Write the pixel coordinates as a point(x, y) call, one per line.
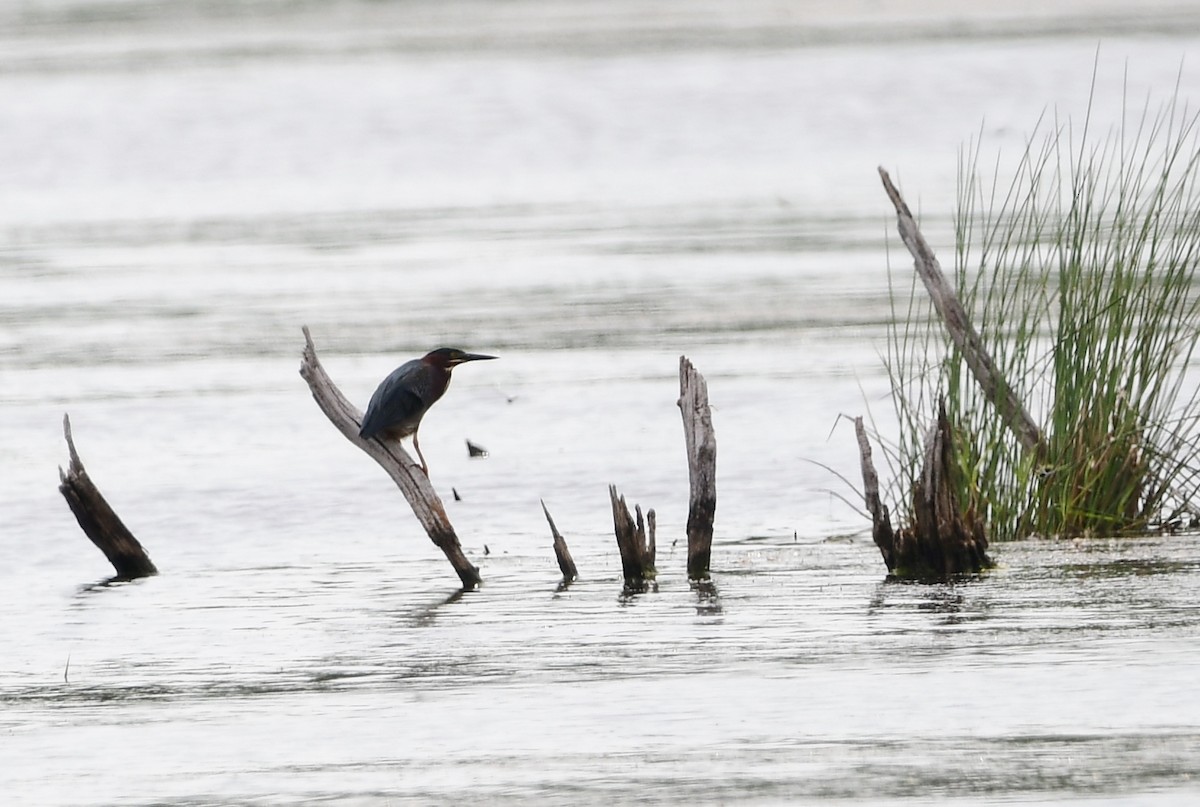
point(98, 520)
point(881, 524)
point(637, 549)
point(701, 443)
point(566, 563)
point(407, 474)
point(994, 386)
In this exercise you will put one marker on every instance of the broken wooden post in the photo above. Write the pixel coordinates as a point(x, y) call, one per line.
point(701, 445)
point(391, 456)
point(636, 545)
point(98, 520)
point(943, 540)
point(966, 338)
point(566, 563)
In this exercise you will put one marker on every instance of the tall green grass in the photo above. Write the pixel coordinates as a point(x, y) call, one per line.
point(1080, 274)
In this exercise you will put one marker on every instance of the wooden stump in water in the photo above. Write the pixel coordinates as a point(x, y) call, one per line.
point(635, 540)
point(701, 445)
point(943, 539)
point(566, 563)
point(413, 483)
point(99, 521)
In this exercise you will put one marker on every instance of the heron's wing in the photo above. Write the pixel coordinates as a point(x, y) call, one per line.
point(394, 404)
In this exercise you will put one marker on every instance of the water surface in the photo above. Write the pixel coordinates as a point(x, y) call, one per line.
point(588, 191)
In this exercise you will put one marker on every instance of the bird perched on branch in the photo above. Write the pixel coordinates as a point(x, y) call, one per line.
point(404, 397)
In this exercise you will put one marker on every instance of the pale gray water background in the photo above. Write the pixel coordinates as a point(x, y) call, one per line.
point(588, 190)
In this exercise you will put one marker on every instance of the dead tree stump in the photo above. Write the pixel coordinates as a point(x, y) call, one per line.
point(701, 445)
point(943, 539)
point(948, 539)
point(407, 474)
point(635, 542)
point(566, 563)
point(99, 521)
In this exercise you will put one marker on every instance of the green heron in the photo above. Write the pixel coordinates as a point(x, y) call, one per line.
point(404, 397)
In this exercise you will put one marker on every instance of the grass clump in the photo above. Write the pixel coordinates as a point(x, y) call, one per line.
point(1080, 274)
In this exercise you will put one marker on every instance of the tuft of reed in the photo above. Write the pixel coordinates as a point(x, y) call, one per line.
point(1080, 274)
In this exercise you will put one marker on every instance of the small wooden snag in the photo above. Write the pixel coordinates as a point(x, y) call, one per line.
point(566, 563)
point(881, 524)
point(98, 520)
point(701, 445)
point(392, 457)
point(634, 542)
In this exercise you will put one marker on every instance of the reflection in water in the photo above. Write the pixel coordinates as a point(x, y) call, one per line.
point(1126, 567)
point(631, 591)
point(708, 599)
point(425, 616)
point(948, 604)
point(107, 584)
point(938, 597)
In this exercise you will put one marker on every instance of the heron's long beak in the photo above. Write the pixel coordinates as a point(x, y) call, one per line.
point(466, 357)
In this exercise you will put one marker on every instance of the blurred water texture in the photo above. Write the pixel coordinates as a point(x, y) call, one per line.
point(588, 190)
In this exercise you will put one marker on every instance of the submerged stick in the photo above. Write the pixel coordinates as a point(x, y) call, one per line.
point(566, 563)
point(965, 337)
point(701, 443)
point(391, 456)
point(99, 521)
point(637, 553)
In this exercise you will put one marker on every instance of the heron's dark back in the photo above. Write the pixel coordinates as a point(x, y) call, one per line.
point(403, 398)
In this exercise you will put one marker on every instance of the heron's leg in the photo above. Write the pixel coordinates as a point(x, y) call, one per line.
point(420, 456)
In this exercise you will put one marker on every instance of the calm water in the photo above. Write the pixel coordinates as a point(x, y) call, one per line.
point(589, 191)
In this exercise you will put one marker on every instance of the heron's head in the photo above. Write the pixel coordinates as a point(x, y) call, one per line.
point(451, 357)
